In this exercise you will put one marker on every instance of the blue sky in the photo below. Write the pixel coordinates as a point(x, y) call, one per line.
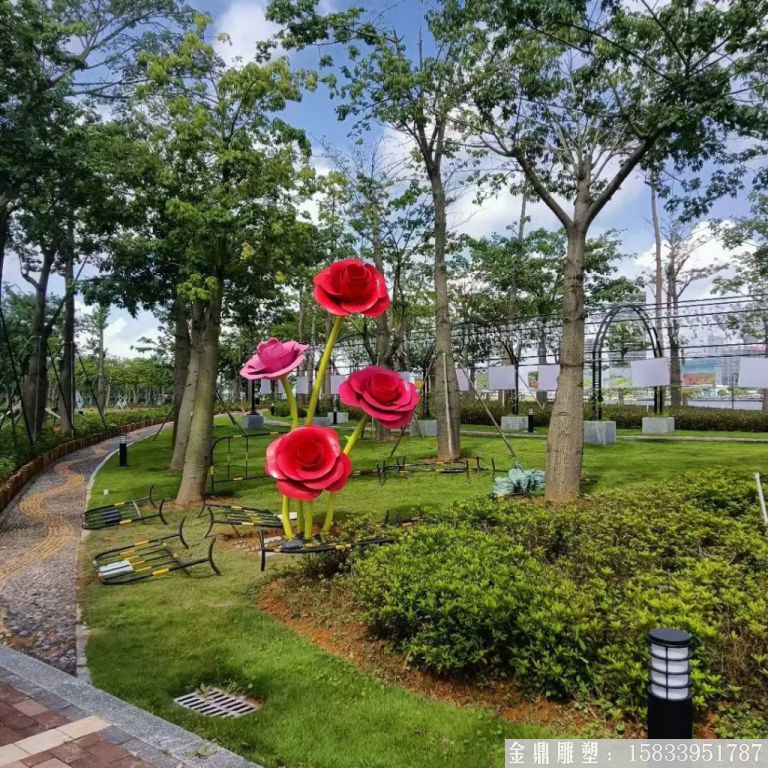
point(244, 22)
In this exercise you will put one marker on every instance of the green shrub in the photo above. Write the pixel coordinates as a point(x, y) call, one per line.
point(16, 451)
point(562, 597)
point(630, 416)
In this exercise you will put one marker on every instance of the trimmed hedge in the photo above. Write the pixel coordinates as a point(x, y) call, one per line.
point(631, 416)
point(16, 453)
point(561, 598)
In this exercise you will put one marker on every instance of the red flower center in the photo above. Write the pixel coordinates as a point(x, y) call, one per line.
point(308, 455)
point(356, 281)
point(384, 388)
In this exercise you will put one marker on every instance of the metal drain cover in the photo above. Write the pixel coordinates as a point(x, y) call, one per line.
point(216, 703)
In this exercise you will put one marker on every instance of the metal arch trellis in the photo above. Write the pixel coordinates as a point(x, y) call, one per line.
point(597, 353)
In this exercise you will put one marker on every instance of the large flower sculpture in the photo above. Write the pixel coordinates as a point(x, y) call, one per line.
point(383, 394)
point(274, 359)
point(309, 459)
point(350, 286)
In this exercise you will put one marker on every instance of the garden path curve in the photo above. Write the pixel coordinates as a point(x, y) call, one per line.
point(39, 543)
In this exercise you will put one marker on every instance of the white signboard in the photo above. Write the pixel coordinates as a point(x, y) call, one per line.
point(653, 372)
point(266, 387)
point(753, 372)
point(501, 377)
point(302, 385)
point(280, 388)
point(548, 375)
point(336, 382)
point(406, 376)
point(463, 380)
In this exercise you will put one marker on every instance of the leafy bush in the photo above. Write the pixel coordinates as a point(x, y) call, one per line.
point(631, 416)
point(14, 452)
point(562, 597)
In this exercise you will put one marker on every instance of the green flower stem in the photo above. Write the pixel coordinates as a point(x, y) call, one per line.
point(324, 360)
point(357, 434)
point(309, 514)
point(328, 522)
point(287, 518)
point(291, 401)
point(300, 516)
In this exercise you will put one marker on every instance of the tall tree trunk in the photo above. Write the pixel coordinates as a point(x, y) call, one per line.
point(383, 336)
point(541, 396)
point(565, 440)
point(446, 392)
point(659, 276)
point(5, 226)
point(35, 384)
point(68, 352)
point(196, 459)
point(101, 379)
point(507, 396)
point(187, 403)
point(673, 332)
point(181, 353)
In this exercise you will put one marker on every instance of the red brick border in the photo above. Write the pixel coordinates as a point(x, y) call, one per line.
point(28, 471)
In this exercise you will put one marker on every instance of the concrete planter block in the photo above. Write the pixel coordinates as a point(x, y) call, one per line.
point(658, 425)
point(427, 428)
point(514, 423)
point(342, 417)
point(252, 421)
point(600, 432)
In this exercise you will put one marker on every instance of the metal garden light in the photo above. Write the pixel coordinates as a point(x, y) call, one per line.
point(123, 450)
point(670, 705)
point(530, 420)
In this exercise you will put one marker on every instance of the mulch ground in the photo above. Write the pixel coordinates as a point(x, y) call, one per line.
point(322, 612)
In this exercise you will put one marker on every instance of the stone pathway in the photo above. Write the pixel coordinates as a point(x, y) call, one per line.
point(39, 543)
point(48, 718)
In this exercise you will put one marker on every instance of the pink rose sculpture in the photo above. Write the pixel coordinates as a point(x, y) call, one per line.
point(273, 359)
point(382, 394)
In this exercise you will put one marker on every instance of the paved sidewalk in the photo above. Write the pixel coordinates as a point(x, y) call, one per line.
point(39, 544)
point(49, 719)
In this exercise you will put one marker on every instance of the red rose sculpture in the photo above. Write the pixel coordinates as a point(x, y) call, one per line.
point(308, 461)
point(350, 286)
point(273, 359)
point(382, 394)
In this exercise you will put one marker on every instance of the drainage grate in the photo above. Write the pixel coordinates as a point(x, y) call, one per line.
point(216, 703)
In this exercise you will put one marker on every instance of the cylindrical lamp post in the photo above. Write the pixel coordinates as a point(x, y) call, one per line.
point(123, 450)
point(670, 703)
point(530, 420)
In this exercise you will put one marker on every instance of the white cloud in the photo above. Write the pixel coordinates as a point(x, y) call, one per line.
point(122, 332)
point(245, 23)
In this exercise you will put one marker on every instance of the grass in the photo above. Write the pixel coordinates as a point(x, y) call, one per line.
point(153, 641)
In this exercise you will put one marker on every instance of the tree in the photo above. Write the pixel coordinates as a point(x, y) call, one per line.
point(747, 238)
point(95, 323)
point(55, 54)
point(419, 97)
point(577, 96)
point(530, 272)
point(680, 272)
point(233, 203)
point(388, 213)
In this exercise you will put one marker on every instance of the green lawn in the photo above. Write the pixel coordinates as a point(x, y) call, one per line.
point(150, 642)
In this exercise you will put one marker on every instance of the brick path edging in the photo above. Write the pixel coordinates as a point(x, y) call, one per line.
point(159, 737)
point(16, 482)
